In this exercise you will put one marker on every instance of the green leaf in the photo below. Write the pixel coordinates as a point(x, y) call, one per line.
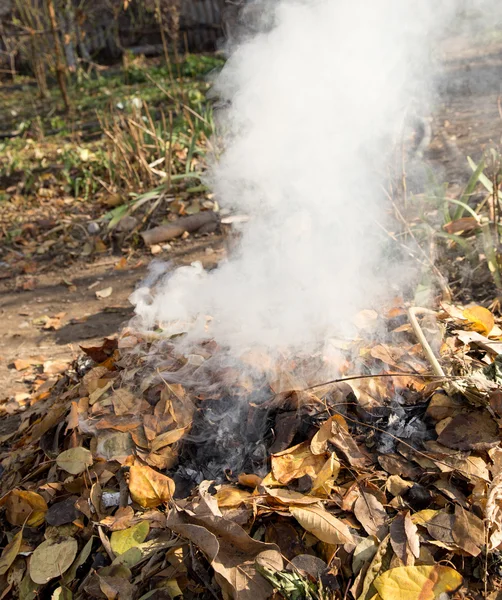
point(122, 541)
point(482, 178)
point(469, 189)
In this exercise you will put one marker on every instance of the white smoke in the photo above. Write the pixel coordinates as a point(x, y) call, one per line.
point(315, 104)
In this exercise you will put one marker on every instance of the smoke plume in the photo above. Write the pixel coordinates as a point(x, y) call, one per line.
point(315, 100)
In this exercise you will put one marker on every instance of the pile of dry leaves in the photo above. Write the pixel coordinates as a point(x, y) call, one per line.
point(125, 481)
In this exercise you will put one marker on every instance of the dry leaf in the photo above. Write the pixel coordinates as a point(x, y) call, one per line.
point(475, 430)
point(404, 539)
point(290, 497)
point(122, 541)
point(232, 553)
point(10, 552)
point(105, 293)
point(52, 558)
point(468, 531)
point(371, 514)
point(417, 583)
point(296, 462)
point(336, 431)
point(323, 525)
point(480, 319)
point(322, 484)
point(24, 507)
point(75, 460)
point(149, 488)
point(231, 497)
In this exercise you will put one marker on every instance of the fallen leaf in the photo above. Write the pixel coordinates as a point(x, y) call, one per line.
point(122, 541)
point(10, 552)
point(371, 514)
point(105, 293)
point(336, 431)
point(440, 528)
point(364, 553)
point(54, 367)
point(404, 539)
point(326, 477)
point(480, 319)
point(323, 525)
point(231, 497)
point(296, 462)
point(75, 460)
point(417, 583)
point(475, 430)
point(232, 553)
point(290, 497)
point(149, 488)
point(23, 507)
point(52, 558)
point(468, 531)
point(62, 512)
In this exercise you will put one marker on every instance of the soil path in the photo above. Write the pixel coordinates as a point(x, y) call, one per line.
point(71, 293)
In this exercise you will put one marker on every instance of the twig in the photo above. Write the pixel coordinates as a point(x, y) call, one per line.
point(412, 315)
point(378, 375)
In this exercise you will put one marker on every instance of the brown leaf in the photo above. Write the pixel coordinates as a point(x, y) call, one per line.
point(149, 488)
point(404, 539)
point(122, 519)
point(24, 507)
point(472, 431)
point(290, 497)
point(168, 438)
point(100, 352)
point(440, 527)
point(231, 553)
point(371, 514)
point(323, 525)
point(397, 465)
point(10, 552)
point(468, 531)
point(336, 431)
point(465, 224)
point(124, 402)
point(296, 462)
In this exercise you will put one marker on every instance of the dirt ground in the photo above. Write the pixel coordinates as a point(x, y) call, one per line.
point(71, 293)
point(467, 119)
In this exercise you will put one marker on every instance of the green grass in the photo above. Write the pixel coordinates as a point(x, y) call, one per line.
point(75, 149)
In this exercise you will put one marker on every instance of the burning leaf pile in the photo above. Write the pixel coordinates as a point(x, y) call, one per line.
point(127, 481)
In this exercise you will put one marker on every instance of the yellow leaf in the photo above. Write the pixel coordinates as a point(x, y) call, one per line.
point(149, 488)
point(326, 477)
point(296, 462)
point(322, 524)
point(231, 497)
point(122, 541)
point(480, 319)
point(426, 582)
point(24, 507)
point(10, 552)
point(422, 517)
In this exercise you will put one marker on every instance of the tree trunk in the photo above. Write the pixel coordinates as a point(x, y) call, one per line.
point(70, 36)
point(60, 66)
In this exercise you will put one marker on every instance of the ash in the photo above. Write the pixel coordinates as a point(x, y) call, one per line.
point(403, 423)
point(229, 436)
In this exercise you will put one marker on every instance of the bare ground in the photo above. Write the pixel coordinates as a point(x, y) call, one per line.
point(85, 318)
